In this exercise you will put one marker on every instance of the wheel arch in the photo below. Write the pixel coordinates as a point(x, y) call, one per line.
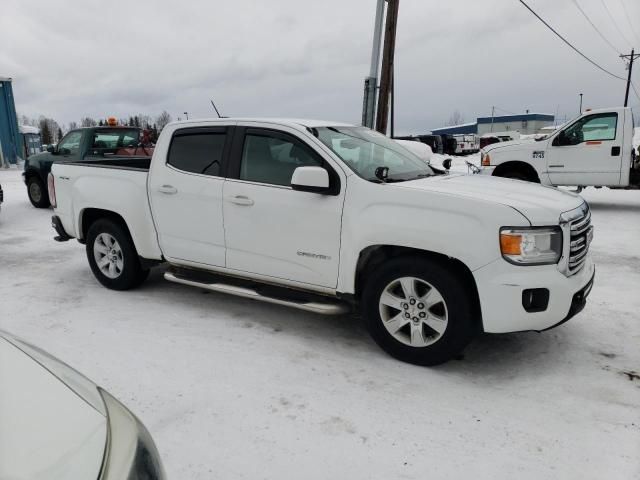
point(89, 216)
point(375, 255)
point(519, 166)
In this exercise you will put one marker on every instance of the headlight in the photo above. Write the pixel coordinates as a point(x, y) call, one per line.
point(531, 246)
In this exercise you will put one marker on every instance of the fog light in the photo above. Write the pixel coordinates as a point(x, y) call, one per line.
point(535, 299)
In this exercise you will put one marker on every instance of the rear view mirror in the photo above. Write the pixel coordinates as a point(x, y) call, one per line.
point(310, 179)
point(447, 164)
point(51, 149)
point(560, 140)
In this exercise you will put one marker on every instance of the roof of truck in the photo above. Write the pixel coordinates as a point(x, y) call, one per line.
point(291, 122)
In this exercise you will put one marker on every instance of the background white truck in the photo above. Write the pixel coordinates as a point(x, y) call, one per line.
point(329, 217)
point(595, 149)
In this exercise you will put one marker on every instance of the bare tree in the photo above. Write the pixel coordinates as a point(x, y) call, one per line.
point(73, 125)
point(162, 120)
point(88, 122)
point(456, 118)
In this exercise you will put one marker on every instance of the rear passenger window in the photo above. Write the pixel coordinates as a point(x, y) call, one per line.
point(197, 152)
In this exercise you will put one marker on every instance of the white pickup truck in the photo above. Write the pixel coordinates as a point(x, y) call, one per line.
point(595, 149)
point(327, 217)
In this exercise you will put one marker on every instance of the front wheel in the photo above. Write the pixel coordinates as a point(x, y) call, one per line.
point(38, 194)
point(113, 257)
point(418, 311)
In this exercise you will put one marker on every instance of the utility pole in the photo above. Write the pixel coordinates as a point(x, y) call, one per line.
point(631, 58)
point(371, 82)
point(187, 114)
point(387, 65)
point(493, 111)
point(580, 112)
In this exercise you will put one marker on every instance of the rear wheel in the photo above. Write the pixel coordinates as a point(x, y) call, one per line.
point(418, 311)
point(38, 194)
point(113, 257)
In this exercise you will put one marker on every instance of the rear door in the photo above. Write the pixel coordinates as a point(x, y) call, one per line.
point(186, 196)
point(588, 151)
point(272, 230)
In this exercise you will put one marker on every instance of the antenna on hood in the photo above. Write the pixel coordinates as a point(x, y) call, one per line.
point(216, 109)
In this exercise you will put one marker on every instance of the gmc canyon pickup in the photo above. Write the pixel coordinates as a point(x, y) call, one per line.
point(595, 149)
point(328, 217)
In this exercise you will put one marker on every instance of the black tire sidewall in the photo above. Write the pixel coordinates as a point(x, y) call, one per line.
point(44, 198)
point(461, 326)
point(132, 274)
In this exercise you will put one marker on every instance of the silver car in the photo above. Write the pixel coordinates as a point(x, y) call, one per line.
point(57, 424)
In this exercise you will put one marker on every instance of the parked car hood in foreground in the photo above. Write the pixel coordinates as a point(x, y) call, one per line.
point(539, 204)
point(47, 431)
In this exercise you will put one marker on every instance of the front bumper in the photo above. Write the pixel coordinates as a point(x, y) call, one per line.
point(500, 287)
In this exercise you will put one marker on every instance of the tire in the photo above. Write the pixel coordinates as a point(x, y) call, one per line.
point(37, 192)
point(415, 341)
point(113, 257)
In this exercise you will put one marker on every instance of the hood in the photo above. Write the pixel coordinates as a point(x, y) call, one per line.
point(48, 431)
point(513, 145)
point(539, 204)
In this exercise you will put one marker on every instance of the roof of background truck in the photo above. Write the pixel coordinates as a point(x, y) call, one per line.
point(290, 122)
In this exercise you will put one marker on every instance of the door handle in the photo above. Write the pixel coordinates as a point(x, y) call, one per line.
point(241, 200)
point(168, 189)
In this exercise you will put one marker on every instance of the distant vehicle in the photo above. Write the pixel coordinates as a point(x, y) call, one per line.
point(30, 142)
point(83, 144)
point(58, 424)
point(466, 144)
point(449, 144)
point(326, 218)
point(595, 149)
point(434, 141)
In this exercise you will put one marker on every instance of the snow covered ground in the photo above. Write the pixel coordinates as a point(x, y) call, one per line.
point(231, 388)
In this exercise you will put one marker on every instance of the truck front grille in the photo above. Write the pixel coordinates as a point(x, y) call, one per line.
point(581, 233)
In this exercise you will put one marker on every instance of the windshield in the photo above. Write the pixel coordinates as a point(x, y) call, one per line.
point(366, 151)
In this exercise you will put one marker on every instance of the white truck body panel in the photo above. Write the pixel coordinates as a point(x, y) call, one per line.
point(314, 242)
point(601, 156)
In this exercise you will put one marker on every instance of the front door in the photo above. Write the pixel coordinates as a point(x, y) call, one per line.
point(186, 197)
point(272, 230)
point(587, 152)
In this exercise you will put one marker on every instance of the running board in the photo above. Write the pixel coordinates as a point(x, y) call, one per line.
point(317, 305)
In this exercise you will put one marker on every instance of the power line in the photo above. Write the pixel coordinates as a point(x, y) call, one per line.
point(615, 23)
point(575, 2)
point(626, 12)
point(569, 44)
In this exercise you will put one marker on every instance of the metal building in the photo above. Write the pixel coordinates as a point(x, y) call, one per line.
point(9, 134)
point(525, 124)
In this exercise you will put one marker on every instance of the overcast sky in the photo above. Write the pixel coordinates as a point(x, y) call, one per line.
point(299, 58)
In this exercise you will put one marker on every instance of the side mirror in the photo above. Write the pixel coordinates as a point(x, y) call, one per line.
point(447, 164)
point(560, 140)
point(51, 149)
point(310, 179)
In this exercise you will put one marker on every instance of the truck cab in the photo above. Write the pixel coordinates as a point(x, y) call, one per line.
point(595, 149)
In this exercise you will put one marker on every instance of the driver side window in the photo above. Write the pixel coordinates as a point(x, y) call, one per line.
point(600, 127)
point(70, 145)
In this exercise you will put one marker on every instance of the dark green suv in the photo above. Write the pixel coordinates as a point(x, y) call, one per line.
point(81, 144)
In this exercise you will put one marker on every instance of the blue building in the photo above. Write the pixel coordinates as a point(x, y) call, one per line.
point(526, 124)
point(9, 133)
